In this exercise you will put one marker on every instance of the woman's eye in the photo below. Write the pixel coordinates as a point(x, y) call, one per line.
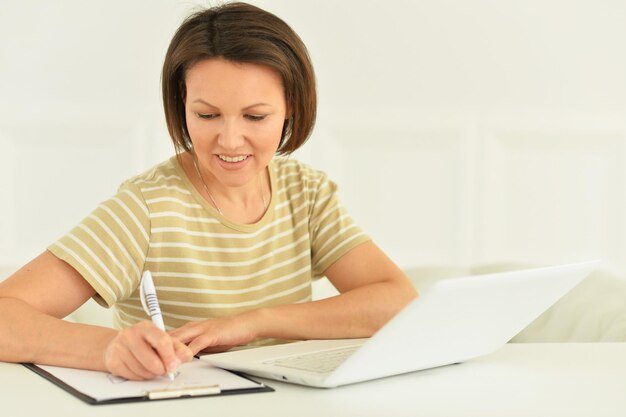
point(255, 117)
point(207, 116)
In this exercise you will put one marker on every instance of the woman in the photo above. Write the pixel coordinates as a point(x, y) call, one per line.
point(232, 233)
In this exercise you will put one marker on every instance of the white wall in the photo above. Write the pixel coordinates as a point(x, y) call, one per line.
point(461, 132)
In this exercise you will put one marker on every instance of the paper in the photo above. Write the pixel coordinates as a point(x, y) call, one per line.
point(103, 386)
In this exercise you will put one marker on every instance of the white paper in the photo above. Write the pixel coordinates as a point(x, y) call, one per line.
point(103, 386)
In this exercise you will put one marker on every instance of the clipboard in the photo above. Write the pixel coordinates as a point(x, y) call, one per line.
point(195, 379)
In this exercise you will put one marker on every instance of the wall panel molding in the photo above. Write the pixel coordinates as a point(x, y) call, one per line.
point(409, 189)
point(553, 195)
point(57, 174)
point(485, 190)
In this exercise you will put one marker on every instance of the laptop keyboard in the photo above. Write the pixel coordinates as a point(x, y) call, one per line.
point(321, 362)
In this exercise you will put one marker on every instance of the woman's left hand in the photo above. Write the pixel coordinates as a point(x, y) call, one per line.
point(217, 335)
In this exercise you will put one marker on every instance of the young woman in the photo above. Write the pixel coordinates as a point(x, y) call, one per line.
point(232, 230)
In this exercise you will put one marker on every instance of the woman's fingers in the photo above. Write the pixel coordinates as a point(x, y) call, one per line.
point(197, 335)
point(121, 362)
point(135, 369)
point(143, 352)
point(183, 353)
point(215, 335)
point(163, 345)
point(187, 332)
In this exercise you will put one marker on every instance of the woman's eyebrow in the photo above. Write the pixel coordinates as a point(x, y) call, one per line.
point(256, 105)
point(199, 100)
point(245, 108)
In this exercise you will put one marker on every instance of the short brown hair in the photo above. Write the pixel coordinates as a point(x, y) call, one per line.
point(240, 32)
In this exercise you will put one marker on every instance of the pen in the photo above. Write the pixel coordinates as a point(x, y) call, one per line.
point(150, 304)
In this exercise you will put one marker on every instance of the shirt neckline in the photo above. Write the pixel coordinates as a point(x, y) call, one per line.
point(243, 227)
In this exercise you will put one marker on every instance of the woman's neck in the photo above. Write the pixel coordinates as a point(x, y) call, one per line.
point(245, 204)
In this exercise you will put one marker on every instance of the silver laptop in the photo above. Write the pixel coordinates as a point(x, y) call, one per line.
point(452, 321)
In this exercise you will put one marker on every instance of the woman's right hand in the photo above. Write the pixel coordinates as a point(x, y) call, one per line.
point(143, 351)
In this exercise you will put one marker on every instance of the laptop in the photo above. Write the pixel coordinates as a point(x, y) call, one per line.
point(452, 321)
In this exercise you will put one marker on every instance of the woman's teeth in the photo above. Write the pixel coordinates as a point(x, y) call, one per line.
point(233, 158)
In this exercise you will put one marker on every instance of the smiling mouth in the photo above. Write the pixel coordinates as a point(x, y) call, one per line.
point(233, 158)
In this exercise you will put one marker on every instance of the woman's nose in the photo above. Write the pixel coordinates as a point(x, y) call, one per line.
point(230, 136)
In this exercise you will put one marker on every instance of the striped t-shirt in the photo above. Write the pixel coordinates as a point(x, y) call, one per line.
point(204, 265)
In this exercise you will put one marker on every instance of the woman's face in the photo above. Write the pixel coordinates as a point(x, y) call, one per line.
point(235, 114)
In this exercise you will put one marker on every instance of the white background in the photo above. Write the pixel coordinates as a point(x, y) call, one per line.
point(461, 132)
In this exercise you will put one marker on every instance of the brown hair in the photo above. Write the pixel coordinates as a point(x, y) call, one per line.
point(240, 32)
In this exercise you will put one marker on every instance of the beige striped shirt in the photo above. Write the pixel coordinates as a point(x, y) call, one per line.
point(203, 264)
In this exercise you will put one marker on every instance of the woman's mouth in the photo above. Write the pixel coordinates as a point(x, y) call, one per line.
point(231, 159)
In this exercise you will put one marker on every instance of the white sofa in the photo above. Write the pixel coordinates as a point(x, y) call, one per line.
point(593, 311)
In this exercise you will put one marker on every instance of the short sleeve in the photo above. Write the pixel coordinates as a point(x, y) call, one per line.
point(108, 248)
point(332, 230)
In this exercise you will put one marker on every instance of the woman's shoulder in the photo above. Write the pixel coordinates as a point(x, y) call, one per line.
point(290, 171)
point(164, 174)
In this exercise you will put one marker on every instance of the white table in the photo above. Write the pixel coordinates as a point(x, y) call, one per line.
point(518, 380)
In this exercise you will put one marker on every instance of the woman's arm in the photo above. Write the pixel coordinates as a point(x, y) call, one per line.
point(373, 289)
point(33, 302)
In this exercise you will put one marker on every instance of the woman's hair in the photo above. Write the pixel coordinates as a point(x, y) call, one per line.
point(240, 32)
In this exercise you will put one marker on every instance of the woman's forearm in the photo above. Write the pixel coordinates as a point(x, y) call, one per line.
point(27, 335)
point(350, 315)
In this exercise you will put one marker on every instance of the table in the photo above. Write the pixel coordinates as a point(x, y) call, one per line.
point(517, 380)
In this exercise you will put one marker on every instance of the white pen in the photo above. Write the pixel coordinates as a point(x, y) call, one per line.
point(150, 303)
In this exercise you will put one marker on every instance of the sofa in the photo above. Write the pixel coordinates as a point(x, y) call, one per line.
point(594, 311)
